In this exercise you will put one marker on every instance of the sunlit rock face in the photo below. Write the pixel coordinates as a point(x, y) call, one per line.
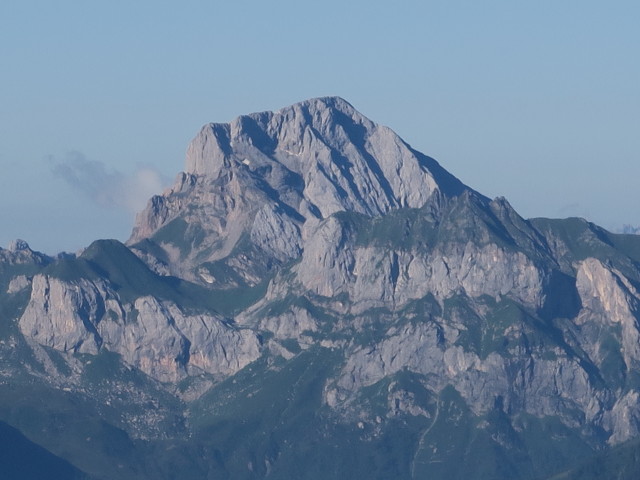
point(271, 177)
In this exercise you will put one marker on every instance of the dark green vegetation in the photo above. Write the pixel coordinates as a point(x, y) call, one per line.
point(619, 463)
point(237, 430)
point(131, 278)
point(268, 421)
point(22, 459)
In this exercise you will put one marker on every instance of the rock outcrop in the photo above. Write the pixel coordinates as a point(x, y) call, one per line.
point(157, 337)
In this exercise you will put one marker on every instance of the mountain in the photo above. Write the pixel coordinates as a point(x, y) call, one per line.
point(315, 299)
point(269, 179)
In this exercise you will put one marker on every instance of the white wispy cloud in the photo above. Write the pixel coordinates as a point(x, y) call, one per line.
point(106, 186)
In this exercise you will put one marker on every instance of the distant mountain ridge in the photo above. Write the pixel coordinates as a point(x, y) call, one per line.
point(315, 299)
point(630, 229)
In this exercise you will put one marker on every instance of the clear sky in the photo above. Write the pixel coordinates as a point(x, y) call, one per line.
point(535, 101)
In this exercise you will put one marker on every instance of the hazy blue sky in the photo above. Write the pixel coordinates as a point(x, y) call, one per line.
point(535, 101)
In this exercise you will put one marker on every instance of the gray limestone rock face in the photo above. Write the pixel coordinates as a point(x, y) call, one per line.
point(375, 277)
point(346, 161)
point(156, 337)
point(272, 176)
point(543, 386)
point(610, 302)
point(168, 345)
point(295, 323)
point(328, 260)
point(65, 316)
point(19, 253)
point(18, 284)
point(18, 245)
point(624, 418)
point(276, 234)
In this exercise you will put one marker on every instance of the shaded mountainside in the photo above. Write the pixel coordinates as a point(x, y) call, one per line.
point(315, 299)
point(621, 463)
point(21, 458)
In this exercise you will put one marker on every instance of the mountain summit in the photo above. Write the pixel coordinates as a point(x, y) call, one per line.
point(345, 161)
point(315, 299)
point(275, 176)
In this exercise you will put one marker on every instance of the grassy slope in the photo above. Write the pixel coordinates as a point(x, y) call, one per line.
point(131, 278)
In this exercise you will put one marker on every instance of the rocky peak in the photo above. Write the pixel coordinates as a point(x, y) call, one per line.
point(275, 175)
point(19, 252)
point(344, 160)
point(266, 131)
point(18, 245)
